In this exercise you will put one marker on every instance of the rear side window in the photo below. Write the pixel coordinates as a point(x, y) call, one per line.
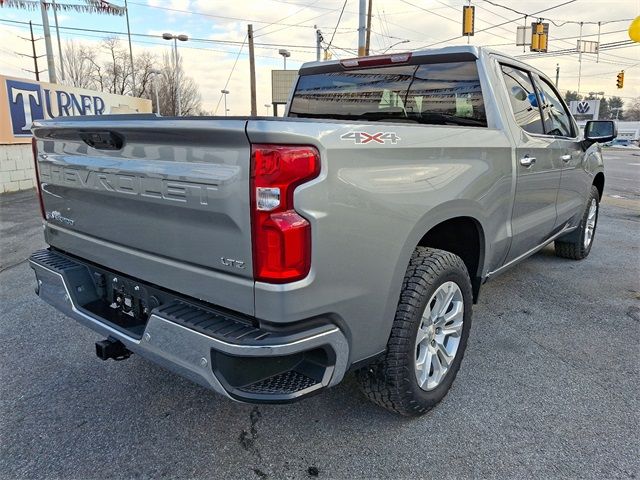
point(524, 101)
point(436, 94)
point(556, 118)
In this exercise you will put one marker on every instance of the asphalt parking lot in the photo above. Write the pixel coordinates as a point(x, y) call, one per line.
point(549, 387)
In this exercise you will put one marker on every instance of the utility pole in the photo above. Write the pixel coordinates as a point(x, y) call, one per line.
point(252, 72)
point(580, 58)
point(557, 74)
point(34, 55)
point(47, 41)
point(362, 27)
point(133, 72)
point(55, 18)
point(318, 43)
point(368, 40)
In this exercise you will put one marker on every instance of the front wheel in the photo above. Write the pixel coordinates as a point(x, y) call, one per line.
point(428, 337)
point(577, 245)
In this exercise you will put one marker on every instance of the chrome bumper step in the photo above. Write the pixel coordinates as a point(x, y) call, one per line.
point(221, 350)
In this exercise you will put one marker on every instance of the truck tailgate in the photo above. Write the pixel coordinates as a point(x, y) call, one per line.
point(156, 198)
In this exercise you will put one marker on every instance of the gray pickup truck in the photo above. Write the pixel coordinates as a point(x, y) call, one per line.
point(267, 257)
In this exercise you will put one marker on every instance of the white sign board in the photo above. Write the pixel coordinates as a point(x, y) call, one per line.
point(282, 81)
point(523, 36)
point(586, 46)
point(585, 109)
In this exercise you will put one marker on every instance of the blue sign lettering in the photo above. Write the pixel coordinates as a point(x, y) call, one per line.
point(27, 102)
point(25, 105)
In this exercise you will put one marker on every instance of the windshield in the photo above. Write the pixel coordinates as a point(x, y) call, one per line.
point(437, 94)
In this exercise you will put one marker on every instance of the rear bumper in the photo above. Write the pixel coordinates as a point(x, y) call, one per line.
point(220, 350)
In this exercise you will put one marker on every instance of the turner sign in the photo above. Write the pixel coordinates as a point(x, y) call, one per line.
point(24, 101)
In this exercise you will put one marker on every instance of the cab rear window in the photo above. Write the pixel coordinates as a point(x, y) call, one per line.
point(435, 94)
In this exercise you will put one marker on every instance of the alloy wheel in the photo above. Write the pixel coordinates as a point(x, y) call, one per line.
point(439, 335)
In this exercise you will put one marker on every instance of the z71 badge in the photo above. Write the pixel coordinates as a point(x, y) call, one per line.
point(360, 138)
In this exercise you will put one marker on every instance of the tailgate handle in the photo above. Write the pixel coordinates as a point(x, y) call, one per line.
point(103, 140)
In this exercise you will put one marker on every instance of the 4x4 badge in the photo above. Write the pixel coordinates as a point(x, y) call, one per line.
point(360, 138)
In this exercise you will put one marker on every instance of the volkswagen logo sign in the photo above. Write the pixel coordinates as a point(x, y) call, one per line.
point(583, 107)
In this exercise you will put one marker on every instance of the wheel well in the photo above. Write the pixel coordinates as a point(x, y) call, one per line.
point(598, 182)
point(462, 236)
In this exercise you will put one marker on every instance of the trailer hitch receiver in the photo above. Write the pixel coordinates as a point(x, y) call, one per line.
point(112, 348)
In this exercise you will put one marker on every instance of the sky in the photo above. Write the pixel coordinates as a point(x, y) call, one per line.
point(211, 24)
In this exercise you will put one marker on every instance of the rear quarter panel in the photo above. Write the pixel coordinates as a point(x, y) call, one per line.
point(370, 207)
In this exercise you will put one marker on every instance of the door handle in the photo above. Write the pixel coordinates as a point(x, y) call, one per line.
point(565, 158)
point(527, 161)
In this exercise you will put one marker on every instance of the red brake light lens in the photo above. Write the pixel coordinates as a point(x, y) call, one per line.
point(376, 60)
point(281, 237)
point(34, 149)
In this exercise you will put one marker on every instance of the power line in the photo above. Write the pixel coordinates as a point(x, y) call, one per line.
point(496, 26)
point(205, 40)
point(337, 24)
point(316, 7)
point(604, 74)
point(230, 73)
point(563, 40)
point(442, 16)
point(285, 27)
point(485, 21)
point(223, 17)
point(568, 51)
point(208, 49)
point(289, 16)
point(560, 22)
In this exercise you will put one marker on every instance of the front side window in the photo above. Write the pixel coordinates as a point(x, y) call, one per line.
point(524, 101)
point(436, 94)
point(556, 118)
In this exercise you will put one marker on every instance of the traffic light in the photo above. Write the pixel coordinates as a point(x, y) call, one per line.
point(620, 79)
point(539, 37)
point(468, 20)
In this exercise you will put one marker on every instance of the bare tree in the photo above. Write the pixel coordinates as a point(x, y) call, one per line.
point(172, 77)
point(77, 60)
point(116, 70)
point(633, 112)
point(144, 64)
point(109, 70)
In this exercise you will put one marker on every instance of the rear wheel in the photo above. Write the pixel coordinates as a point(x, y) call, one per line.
point(577, 245)
point(428, 337)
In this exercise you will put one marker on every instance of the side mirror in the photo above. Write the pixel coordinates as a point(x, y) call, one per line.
point(601, 131)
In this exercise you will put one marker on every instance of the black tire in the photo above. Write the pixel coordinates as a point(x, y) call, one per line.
point(391, 381)
point(572, 246)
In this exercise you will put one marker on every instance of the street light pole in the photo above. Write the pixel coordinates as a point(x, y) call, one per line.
point(268, 105)
point(155, 74)
point(397, 43)
point(133, 71)
point(178, 86)
point(175, 38)
point(225, 93)
point(55, 19)
point(285, 54)
point(51, 65)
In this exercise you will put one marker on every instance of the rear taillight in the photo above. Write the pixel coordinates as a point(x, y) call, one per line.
point(281, 238)
point(34, 148)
